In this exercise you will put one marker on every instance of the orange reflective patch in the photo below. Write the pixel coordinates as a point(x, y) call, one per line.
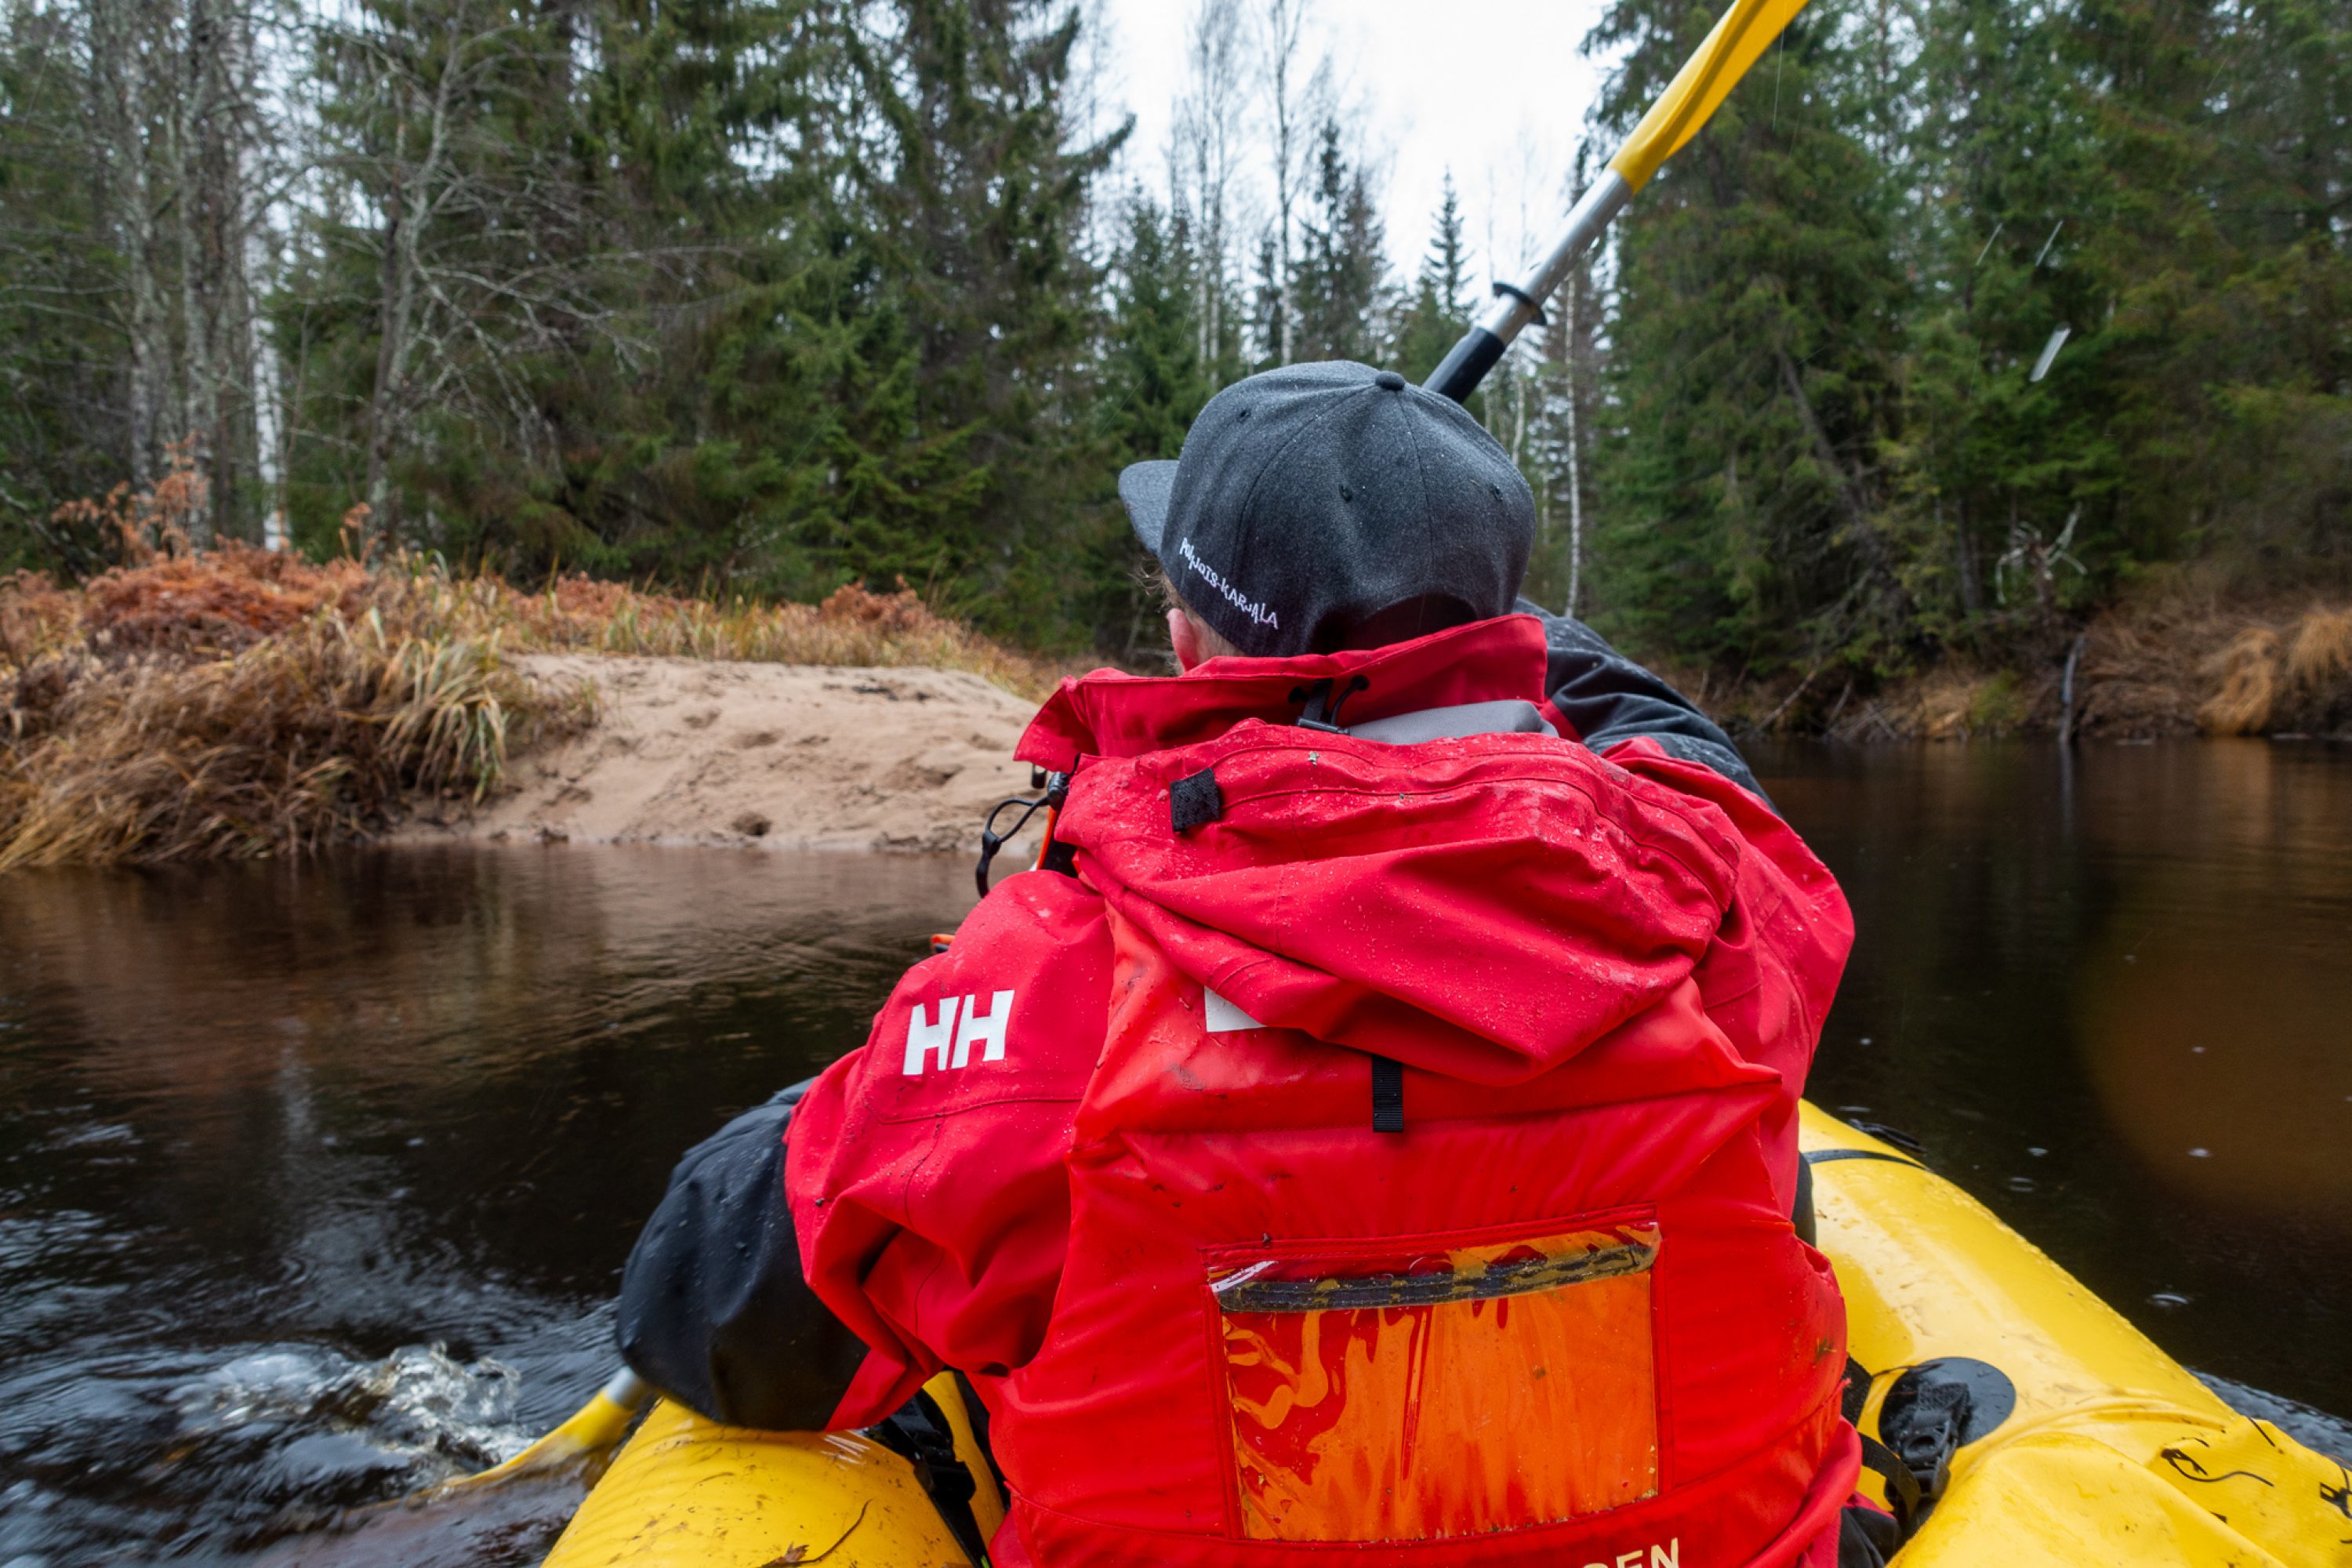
point(1407, 1398)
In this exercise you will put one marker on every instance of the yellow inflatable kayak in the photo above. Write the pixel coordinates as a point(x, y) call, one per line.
point(2046, 1430)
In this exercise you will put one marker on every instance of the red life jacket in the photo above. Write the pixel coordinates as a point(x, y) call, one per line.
point(1561, 1316)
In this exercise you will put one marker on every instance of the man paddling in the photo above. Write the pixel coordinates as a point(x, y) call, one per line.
point(1374, 1130)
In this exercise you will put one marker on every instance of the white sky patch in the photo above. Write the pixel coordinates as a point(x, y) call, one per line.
point(1498, 92)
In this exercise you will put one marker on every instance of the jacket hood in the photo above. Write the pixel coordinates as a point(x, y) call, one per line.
point(1484, 907)
point(1109, 713)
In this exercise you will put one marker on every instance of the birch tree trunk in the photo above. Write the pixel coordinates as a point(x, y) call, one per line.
point(121, 92)
point(1209, 119)
point(191, 119)
point(1575, 457)
point(1285, 21)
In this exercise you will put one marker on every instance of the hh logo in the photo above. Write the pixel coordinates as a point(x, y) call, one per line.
point(950, 1038)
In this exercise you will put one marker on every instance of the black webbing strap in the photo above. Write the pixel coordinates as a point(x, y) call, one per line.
point(1902, 1487)
point(1903, 1491)
point(920, 1434)
point(1322, 710)
point(1388, 1095)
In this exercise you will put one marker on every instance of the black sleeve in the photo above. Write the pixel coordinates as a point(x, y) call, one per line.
point(713, 1309)
point(1609, 699)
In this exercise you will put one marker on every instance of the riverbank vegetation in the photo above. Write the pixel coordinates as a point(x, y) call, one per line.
point(2182, 655)
point(1961, 328)
point(242, 702)
point(245, 702)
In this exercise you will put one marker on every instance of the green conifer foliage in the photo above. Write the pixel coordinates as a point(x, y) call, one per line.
point(61, 419)
point(1437, 312)
point(1756, 340)
point(1341, 273)
point(1152, 384)
point(1153, 381)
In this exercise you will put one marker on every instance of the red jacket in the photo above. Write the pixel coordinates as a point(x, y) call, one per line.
point(1113, 1156)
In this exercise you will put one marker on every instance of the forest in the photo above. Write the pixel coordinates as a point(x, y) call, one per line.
point(1964, 319)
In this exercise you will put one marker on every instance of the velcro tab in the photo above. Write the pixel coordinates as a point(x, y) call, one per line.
point(1388, 1095)
point(1195, 799)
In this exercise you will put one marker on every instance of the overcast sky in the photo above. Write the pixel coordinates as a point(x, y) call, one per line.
point(1495, 90)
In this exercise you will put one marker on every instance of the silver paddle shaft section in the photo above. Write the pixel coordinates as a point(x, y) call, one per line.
point(627, 1390)
point(1514, 308)
point(1518, 304)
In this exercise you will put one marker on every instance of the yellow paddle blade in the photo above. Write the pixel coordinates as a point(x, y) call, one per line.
point(1705, 80)
point(596, 1427)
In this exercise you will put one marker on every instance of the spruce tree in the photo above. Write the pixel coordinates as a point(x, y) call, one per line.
point(977, 197)
point(1752, 367)
point(1340, 286)
point(1436, 313)
point(1153, 383)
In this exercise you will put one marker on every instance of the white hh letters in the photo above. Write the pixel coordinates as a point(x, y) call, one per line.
point(988, 1027)
point(922, 1036)
point(950, 1039)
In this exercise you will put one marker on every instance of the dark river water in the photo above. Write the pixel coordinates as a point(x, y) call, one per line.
point(314, 1180)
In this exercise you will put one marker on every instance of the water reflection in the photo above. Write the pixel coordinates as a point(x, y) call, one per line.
point(268, 1133)
point(2110, 992)
point(2215, 1009)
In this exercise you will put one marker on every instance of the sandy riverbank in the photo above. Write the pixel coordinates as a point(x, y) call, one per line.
point(704, 751)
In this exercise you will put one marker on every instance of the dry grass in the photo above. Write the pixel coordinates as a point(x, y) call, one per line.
point(2247, 668)
point(243, 703)
point(307, 737)
point(2292, 674)
point(577, 615)
point(2321, 655)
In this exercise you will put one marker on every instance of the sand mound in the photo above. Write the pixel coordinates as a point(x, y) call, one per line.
point(769, 755)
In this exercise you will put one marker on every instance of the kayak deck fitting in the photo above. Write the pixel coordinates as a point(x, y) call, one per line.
point(2042, 1428)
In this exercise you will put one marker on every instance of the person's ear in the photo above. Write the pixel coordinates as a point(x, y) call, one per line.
point(1185, 638)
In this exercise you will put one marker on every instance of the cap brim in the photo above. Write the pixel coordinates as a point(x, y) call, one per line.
point(1144, 488)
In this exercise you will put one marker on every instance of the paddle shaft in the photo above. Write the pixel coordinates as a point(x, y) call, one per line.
point(1738, 39)
point(1518, 305)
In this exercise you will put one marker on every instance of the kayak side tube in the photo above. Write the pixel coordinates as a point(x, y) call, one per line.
point(691, 1493)
point(2109, 1452)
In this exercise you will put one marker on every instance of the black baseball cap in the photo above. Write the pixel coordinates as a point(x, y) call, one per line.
point(1325, 506)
